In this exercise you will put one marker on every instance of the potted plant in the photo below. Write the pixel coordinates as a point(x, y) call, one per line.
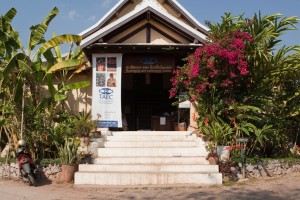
point(218, 131)
point(212, 155)
point(69, 157)
point(86, 157)
point(83, 126)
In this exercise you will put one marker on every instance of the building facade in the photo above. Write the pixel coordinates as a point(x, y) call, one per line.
point(133, 51)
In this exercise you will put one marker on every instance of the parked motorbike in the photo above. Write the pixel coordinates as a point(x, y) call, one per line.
point(28, 169)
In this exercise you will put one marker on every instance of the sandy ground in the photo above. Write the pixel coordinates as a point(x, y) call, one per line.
point(285, 187)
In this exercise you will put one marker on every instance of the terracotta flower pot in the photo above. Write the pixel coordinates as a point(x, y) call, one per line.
point(68, 171)
point(213, 160)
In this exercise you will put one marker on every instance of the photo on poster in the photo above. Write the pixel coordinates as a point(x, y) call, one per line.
point(111, 81)
point(100, 64)
point(100, 79)
point(111, 64)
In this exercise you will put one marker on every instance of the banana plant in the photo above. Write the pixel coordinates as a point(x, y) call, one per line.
point(9, 77)
point(63, 68)
point(23, 72)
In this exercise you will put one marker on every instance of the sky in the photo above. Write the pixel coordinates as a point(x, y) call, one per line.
point(77, 15)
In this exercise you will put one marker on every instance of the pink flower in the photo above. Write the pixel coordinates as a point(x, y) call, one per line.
point(211, 50)
point(238, 44)
point(244, 71)
point(213, 73)
point(232, 74)
point(174, 81)
point(194, 71)
point(194, 98)
point(186, 82)
point(172, 92)
point(232, 57)
point(226, 83)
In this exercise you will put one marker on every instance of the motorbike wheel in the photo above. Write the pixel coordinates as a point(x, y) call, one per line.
point(32, 180)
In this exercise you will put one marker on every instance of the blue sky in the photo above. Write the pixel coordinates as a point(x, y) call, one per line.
point(76, 15)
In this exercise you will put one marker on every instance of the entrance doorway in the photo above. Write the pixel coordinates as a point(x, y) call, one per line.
point(145, 95)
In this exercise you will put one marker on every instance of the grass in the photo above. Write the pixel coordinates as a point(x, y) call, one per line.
point(256, 160)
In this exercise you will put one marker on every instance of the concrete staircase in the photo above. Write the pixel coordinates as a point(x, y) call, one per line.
point(150, 158)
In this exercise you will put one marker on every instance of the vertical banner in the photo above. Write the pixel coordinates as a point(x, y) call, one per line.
point(106, 99)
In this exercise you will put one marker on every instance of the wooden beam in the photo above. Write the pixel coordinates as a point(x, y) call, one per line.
point(148, 35)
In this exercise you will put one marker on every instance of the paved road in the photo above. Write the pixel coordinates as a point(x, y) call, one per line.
point(285, 188)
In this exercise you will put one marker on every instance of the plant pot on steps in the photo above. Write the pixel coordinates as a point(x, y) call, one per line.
point(223, 153)
point(68, 171)
point(84, 141)
point(213, 160)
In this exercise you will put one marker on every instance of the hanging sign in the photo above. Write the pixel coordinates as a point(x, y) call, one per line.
point(150, 63)
point(106, 99)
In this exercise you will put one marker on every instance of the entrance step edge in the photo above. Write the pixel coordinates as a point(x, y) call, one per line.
point(146, 178)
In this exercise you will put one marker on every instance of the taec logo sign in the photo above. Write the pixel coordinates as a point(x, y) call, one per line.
point(106, 93)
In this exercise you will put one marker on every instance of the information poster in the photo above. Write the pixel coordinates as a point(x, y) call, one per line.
point(106, 99)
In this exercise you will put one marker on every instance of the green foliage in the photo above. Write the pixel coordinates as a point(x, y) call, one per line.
point(23, 78)
point(64, 126)
point(257, 160)
point(218, 131)
point(84, 124)
point(47, 162)
point(38, 31)
point(38, 130)
point(56, 41)
point(260, 136)
point(68, 153)
point(267, 109)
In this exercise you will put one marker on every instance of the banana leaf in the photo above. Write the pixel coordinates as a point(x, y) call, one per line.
point(12, 64)
point(38, 31)
point(10, 15)
point(65, 65)
point(60, 97)
point(56, 41)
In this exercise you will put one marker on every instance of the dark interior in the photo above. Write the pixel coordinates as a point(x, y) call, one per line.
point(144, 96)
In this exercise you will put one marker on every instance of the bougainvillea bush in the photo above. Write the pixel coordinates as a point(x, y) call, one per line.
point(217, 73)
point(242, 77)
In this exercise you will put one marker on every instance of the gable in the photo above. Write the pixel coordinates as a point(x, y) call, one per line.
point(150, 31)
point(130, 20)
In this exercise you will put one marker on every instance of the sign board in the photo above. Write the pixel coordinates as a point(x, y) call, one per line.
point(148, 63)
point(106, 99)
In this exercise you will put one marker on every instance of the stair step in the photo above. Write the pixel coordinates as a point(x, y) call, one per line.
point(149, 168)
point(143, 152)
point(113, 144)
point(159, 138)
point(151, 160)
point(147, 178)
point(151, 133)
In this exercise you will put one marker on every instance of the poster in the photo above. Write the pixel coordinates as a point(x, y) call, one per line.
point(106, 98)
